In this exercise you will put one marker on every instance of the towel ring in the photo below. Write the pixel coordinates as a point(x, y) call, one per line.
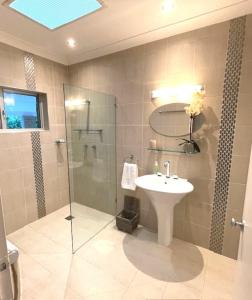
point(130, 159)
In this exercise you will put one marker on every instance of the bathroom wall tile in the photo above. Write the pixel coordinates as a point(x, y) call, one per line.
point(203, 190)
point(132, 92)
point(180, 55)
point(5, 61)
point(155, 61)
point(15, 219)
point(210, 52)
point(239, 169)
point(10, 159)
point(248, 42)
point(196, 234)
point(203, 165)
point(236, 196)
point(244, 109)
point(129, 135)
point(148, 108)
point(11, 180)
point(242, 140)
point(133, 64)
point(246, 73)
point(129, 114)
point(180, 211)
point(28, 176)
point(178, 228)
point(44, 73)
point(50, 171)
point(49, 153)
point(60, 114)
point(46, 137)
point(12, 199)
point(31, 204)
point(148, 218)
point(212, 84)
point(51, 114)
point(197, 212)
point(26, 154)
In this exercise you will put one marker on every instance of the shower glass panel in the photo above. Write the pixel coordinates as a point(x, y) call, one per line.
point(90, 124)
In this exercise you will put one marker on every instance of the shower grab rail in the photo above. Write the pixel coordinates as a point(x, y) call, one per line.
point(95, 131)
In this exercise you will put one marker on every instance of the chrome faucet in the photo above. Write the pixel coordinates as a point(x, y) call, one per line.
point(167, 166)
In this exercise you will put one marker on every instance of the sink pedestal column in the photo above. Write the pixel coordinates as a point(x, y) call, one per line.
point(164, 207)
point(165, 225)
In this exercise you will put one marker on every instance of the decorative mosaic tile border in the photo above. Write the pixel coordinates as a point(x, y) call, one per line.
point(227, 130)
point(30, 79)
point(29, 71)
point(38, 173)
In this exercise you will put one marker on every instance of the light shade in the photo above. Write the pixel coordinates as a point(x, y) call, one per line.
point(181, 93)
point(55, 13)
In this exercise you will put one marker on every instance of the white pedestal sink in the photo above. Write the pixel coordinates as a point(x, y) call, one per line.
point(164, 194)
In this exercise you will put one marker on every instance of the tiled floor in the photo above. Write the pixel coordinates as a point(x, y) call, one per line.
point(114, 265)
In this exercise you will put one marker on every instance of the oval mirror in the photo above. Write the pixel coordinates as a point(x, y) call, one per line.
point(170, 120)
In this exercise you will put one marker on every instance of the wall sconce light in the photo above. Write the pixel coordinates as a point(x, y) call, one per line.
point(181, 93)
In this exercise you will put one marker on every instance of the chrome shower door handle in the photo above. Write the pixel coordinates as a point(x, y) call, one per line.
point(235, 223)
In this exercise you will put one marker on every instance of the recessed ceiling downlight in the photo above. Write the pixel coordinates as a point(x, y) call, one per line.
point(71, 43)
point(167, 6)
point(53, 14)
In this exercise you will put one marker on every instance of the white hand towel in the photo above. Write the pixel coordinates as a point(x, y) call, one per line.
point(130, 174)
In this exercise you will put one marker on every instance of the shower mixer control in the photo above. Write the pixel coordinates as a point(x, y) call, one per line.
point(60, 141)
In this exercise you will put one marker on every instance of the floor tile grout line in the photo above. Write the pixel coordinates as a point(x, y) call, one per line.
point(93, 236)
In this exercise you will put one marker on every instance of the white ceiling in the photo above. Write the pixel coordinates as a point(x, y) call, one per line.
point(121, 24)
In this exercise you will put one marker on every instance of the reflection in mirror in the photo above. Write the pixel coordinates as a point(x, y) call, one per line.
point(170, 120)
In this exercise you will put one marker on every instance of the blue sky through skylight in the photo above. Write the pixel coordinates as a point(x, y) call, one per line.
point(55, 13)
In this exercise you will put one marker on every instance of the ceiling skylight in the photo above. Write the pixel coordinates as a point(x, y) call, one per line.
point(55, 13)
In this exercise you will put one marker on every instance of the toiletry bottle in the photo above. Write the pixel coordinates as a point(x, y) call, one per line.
point(156, 167)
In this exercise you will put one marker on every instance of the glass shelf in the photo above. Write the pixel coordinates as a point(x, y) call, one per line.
point(166, 150)
point(171, 150)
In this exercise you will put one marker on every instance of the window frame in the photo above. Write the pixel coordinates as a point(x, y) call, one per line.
point(41, 108)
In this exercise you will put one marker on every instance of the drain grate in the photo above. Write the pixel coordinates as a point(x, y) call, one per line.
point(69, 218)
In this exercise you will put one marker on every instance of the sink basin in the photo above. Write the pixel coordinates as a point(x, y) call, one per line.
point(164, 194)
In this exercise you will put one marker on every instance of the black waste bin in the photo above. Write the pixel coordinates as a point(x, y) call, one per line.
point(128, 219)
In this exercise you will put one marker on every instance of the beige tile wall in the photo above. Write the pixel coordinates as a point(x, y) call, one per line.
point(131, 75)
point(241, 151)
point(16, 163)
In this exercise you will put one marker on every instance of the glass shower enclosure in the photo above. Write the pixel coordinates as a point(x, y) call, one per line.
point(90, 126)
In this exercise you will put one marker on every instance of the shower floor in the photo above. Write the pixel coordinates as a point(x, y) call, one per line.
point(115, 265)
